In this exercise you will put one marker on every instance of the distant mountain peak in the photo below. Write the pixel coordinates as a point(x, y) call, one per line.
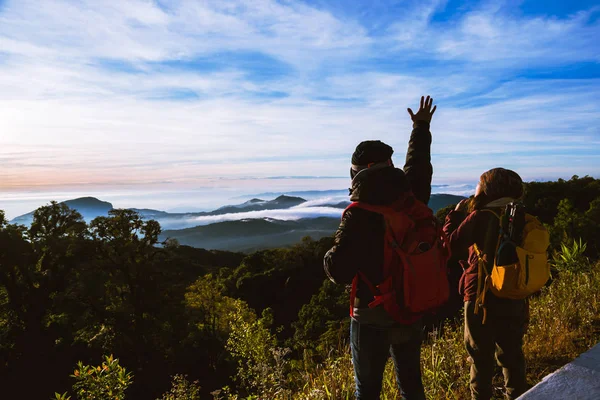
point(87, 198)
point(284, 197)
point(89, 207)
point(88, 201)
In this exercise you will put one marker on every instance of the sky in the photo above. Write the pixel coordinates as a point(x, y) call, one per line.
point(172, 103)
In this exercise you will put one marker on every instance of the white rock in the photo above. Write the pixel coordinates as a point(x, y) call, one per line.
point(578, 380)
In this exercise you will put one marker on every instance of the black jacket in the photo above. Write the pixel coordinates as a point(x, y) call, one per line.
point(359, 238)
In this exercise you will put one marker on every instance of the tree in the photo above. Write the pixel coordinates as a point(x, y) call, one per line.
point(212, 314)
point(36, 265)
point(319, 320)
point(442, 213)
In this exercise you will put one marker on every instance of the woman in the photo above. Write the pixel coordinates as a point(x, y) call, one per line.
point(496, 332)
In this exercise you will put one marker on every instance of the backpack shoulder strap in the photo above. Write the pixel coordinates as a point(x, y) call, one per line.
point(478, 251)
point(370, 207)
point(484, 281)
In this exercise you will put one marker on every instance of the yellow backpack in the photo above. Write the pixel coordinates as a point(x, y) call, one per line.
point(519, 279)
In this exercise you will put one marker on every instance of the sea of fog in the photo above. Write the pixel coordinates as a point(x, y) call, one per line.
point(185, 201)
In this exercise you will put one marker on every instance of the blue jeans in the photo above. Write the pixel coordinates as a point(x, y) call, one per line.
point(371, 346)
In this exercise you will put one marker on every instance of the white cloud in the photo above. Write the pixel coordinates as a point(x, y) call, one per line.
point(413, 29)
point(138, 30)
point(500, 39)
point(323, 201)
point(284, 215)
point(72, 113)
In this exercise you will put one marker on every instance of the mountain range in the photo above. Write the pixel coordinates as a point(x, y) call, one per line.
point(241, 227)
point(247, 235)
point(91, 207)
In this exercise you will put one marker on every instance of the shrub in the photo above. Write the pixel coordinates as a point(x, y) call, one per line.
point(182, 389)
point(571, 257)
point(106, 381)
point(262, 366)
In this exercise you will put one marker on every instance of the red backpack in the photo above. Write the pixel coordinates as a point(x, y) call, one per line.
point(415, 278)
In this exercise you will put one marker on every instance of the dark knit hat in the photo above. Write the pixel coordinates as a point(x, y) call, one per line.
point(370, 152)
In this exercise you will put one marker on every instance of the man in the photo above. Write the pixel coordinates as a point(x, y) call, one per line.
point(359, 244)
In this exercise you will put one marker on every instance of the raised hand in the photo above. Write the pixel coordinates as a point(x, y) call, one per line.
point(425, 111)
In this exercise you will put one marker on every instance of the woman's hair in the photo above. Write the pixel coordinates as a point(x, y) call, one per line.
point(496, 184)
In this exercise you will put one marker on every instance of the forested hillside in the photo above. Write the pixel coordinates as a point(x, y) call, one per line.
point(267, 323)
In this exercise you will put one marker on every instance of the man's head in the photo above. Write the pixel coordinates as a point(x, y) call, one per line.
point(369, 154)
point(374, 178)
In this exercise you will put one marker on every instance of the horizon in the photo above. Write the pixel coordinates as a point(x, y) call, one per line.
point(152, 101)
point(16, 204)
point(194, 201)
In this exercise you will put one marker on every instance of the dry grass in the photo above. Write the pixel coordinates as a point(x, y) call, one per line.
point(565, 321)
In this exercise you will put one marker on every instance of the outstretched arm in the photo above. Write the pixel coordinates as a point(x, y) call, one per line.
point(418, 168)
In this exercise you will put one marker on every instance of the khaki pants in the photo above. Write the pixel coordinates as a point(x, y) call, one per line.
point(499, 340)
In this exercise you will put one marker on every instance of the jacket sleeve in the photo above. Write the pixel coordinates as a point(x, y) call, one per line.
point(342, 261)
point(418, 168)
point(460, 230)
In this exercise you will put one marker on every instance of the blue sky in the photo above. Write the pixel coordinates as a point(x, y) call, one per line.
point(180, 94)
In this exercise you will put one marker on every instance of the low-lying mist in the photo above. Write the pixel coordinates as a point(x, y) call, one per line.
point(294, 213)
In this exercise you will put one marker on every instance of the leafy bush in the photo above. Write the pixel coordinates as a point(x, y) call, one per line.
point(106, 381)
point(319, 320)
point(571, 257)
point(182, 389)
point(442, 213)
point(262, 366)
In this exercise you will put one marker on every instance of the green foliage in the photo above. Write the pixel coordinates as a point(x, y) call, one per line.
point(281, 279)
point(319, 321)
point(182, 389)
point(106, 381)
point(570, 209)
point(442, 213)
point(567, 223)
point(542, 198)
point(55, 221)
point(262, 366)
point(71, 291)
point(125, 227)
point(211, 311)
point(211, 316)
point(36, 265)
point(571, 258)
